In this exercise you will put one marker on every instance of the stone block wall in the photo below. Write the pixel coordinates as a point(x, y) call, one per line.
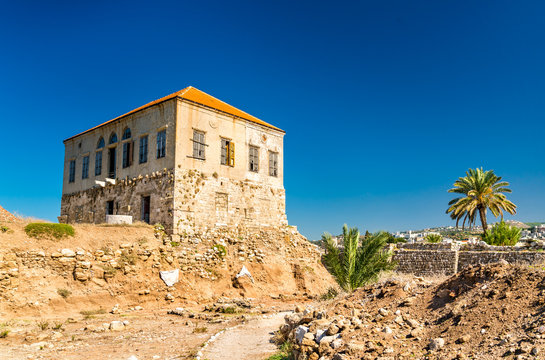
point(467, 258)
point(447, 259)
point(426, 262)
point(207, 200)
point(89, 206)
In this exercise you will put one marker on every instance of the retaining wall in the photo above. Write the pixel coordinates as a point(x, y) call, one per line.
point(446, 259)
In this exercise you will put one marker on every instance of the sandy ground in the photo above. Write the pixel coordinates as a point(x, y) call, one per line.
point(251, 341)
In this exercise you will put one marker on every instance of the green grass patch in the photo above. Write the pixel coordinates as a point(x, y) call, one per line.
point(4, 334)
point(49, 230)
point(92, 312)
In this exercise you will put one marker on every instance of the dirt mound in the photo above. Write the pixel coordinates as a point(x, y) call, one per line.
point(485, 312)
point(6, 216)
point(110, 265)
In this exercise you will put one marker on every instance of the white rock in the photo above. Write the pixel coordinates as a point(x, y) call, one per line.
point(68, 253)
point(300, 332)
point(116, 325)
point(436, 344)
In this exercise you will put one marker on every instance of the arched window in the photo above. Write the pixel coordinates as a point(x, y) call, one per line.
point(126, 134)
point(100, 143)
point(113, 138)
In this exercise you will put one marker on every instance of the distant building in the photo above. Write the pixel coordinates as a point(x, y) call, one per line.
point(187, 160)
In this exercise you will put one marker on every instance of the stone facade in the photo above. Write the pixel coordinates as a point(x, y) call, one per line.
point(181, 191)
point(446, 259)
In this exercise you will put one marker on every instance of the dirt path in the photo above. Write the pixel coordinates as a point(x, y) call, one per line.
point(246, 342)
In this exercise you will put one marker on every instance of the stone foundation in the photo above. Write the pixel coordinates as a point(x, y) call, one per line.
point(89, 206)
point(183, 201)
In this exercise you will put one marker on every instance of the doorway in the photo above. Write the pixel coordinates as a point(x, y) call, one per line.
point(145, 209)
point(111, 163)
point(110, 207)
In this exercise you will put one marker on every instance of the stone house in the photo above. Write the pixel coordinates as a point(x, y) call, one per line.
point(186, 161)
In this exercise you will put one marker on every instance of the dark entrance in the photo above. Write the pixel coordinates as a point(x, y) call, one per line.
point(110, 207)
point(111, 163)
point(145, 209)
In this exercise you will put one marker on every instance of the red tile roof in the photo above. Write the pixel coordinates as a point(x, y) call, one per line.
point(193, 95)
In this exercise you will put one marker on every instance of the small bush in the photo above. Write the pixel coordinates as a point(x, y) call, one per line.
point(43, 325)
point(4, 334)
point(64, 293)
point(502, 234)
point(229, 310)
point(174, 244)
point(58, 326)
point(127, 258)
point(285, 352)
point(109, 271)
point(331, 293)
point(49, 230)
point(433, 238)
point(5, 229)
point(200, 330)
point(394, 240)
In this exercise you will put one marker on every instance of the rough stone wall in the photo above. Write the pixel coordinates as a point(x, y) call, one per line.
point(467, 258)
point(207, 200)
point(426, 262)
point(89, 206)
point(446, 259)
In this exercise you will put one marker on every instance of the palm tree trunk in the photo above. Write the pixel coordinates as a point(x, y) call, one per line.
point(482, 213)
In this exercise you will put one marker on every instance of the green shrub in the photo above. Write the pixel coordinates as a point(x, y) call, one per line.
point(331, 293)
point(229, 310)
point(127, 258)
point(49, 230)
point(64, 293)
point(357, 262)
point(5, 229)
point(394, 240)
point(4, 334)
point(43, 325)
point(433, 238)
point(174, 244)
point(200, 330)
point(502, 234)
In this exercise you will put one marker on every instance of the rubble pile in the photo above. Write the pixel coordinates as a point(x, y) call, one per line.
point(486, 312)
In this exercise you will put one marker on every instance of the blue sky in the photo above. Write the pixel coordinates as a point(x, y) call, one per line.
point(385, 103)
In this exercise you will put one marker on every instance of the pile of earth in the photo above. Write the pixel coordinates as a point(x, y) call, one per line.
point(486, 312)
point(6, 216)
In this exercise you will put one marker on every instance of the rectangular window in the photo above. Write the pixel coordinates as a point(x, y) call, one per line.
point(98, 163)
point(227, 152)
point(273, 163)
point(127, 154)
point(143, 157)
point(161, 143)
point(254, 158)
point(198, 144)
point(72, 171)
point(85, 167)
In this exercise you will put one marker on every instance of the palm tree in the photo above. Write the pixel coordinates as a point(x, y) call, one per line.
point(481, 190)
point(357, 263)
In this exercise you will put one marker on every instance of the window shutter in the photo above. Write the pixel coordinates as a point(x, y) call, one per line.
point(131, 152)
point(231, 153)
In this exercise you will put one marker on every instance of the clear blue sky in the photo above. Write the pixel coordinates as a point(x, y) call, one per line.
point(385, 103)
